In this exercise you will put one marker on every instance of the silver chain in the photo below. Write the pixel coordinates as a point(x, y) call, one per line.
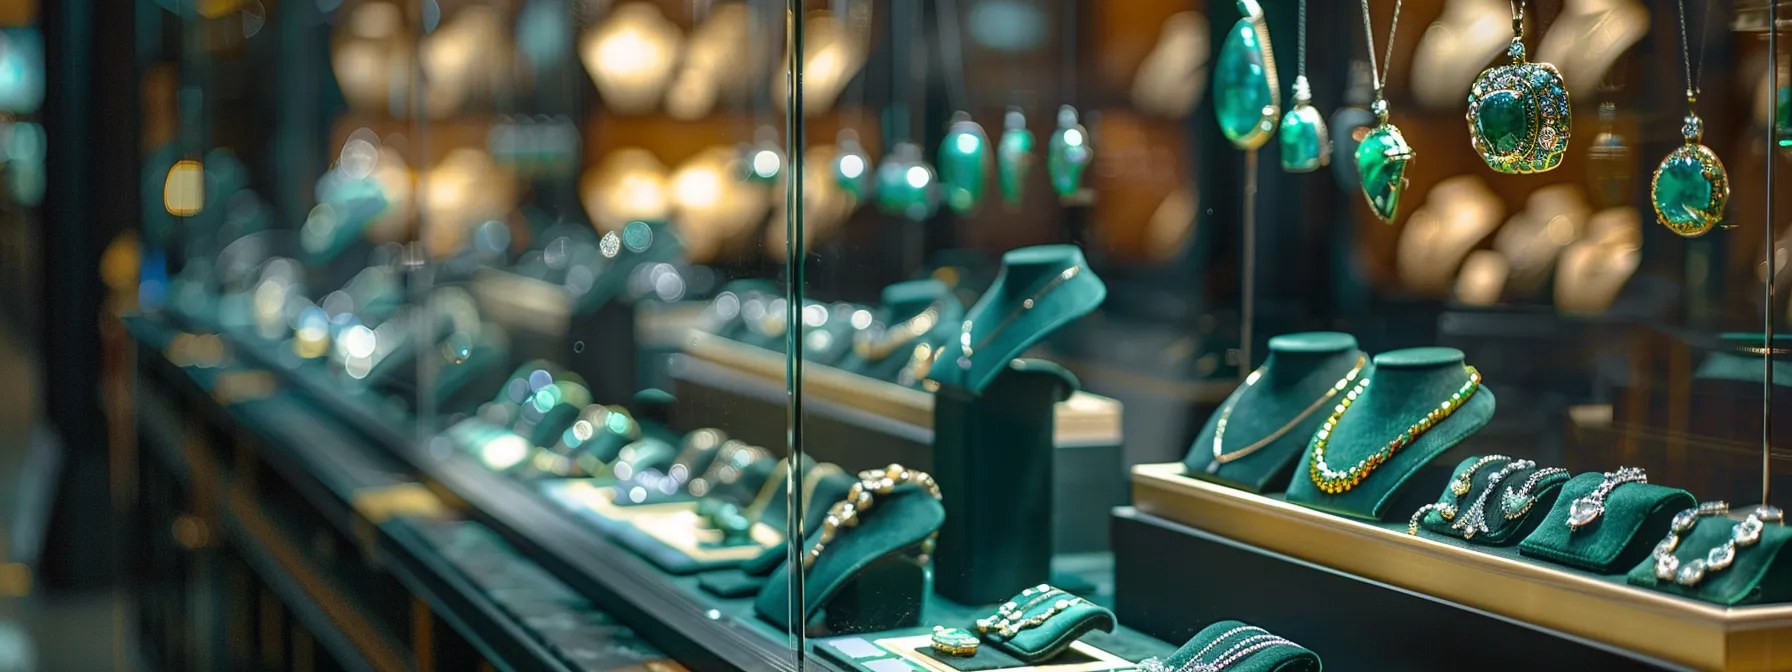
point(1692, 77)
point(1380, 72)
point(1301, 62)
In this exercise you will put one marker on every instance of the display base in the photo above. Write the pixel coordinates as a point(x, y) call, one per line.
point(1194, 552)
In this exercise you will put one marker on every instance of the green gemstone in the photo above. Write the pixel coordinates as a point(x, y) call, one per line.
point(1068, 154)
point(1782, 127)
point(852, 168)
point(1305, 146)
point(1381, 161)
point(1503, 119)
point(1684, 197)
point(1244, 97)
point(906, 187)
point(963, 161)
point(1014, 157)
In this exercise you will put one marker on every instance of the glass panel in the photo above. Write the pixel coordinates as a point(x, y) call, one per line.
point(1173, 302)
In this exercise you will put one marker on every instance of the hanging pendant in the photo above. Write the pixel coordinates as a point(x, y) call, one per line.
point(1518, 115)
point(1306, 145)
point(1014, 158)
point(1068, 153)
point(906, 185)
point(852, 167)
point(1690, 187)
point(1381, 159)
point(963, 164)
point(1246, 96)
point(763, 161)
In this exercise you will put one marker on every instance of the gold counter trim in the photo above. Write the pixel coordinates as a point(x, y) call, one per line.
point(1083, 419)
point(1684, 631)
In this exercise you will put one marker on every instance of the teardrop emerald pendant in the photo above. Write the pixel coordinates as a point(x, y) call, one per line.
point(1246, 95)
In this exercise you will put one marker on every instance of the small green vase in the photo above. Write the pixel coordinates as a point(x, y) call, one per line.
point(906, 186)
point(1068, 154)
point(963, 162)
point(1014, 158)
point(1246, 96)
point(1306, 146)
point(852, 166)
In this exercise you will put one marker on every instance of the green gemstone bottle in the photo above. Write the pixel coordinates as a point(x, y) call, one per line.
point(963, 164)
point(1014, 159)
point(1068, 154)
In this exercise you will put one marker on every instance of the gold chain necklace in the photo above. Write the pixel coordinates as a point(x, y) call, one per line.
point(964, 338)
point(874, 346)
point(1220, 456)
point(1335, 481)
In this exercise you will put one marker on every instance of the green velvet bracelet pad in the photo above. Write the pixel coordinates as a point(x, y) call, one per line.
point(1300, 370)
point(987, 658)
point(1281, 658)
point(901, 301)
point(1503, 531)
point(1758, 575)
point(1404, 386)
point(1049, 639)
point(897, 522)
point(1013, 328)
point(1636, 516)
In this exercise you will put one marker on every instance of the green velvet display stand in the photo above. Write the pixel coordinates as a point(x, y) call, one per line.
point(901, 301)
point(1300, 369)
point(1760, 574)
point(1502, 530)
point(1636, 517)
point(1280, 658)
point(993, 423)
point(1047, 640)
point(868, 578)
point(1404, 385)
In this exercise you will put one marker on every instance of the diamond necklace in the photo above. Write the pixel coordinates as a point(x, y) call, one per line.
point(1335, 481)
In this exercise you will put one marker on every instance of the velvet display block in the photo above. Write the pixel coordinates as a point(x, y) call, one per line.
point(1280, 658)
point(1030, 299)
point(1300, 370)
point(731, 583)
point(1049, 639)
point(1636, 516)
point(1502, 530)
point(895, 526)
point(1760, 574)
point(992, 458)
point(1404, 385)
point(902, 301)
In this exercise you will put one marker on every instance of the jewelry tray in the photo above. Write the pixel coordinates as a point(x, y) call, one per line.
point(1600, 609)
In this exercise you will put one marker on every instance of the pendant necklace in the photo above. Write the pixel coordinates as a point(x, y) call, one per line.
point(964, 337)
point(1518, 114)
point(1306, 145)
point(1382, 155)
point(963, 158)
point(1246, 97)
point(1690, 187)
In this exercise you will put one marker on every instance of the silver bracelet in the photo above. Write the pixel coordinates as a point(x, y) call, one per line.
point(1719, 558)
point(1476, 518)
point(1516, 503)
point(1589, 508)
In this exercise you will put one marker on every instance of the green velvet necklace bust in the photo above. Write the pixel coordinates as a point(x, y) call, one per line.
point(885, 356)
point(1039, 290)
point(1269, 420)
point(1401, 388)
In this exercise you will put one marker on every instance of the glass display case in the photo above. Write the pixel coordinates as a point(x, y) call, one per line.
point(991, 334)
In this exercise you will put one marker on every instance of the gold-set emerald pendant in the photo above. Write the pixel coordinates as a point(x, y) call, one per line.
point(1519, 115)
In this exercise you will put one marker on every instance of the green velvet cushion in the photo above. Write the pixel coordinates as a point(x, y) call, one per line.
point(1760, 573)
point(1636, 516)
point(896, 523)
point(730, 583)
point(1300, 370)
point(987, 658)
point(1503, 531)
point(1001, 318)
point(1050, 638)
point(1281, 658)
point(1404, 386)
point(902, 301)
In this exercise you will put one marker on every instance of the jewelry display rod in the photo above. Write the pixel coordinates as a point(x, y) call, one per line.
point(1249, 294)
point(1767, 350)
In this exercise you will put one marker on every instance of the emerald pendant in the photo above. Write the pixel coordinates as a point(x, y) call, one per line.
point(906, 185)
point(1246, 96)
point(852, 167)
point(1381, 160)
point(1305, 143)
point(1518, 115)
point(1690, 187)
point(1014, 158)
point(1782, 114)
point(1068, 153)
point(963, 163)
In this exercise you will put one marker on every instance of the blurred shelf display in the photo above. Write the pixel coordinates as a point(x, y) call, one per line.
point(977, 334)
